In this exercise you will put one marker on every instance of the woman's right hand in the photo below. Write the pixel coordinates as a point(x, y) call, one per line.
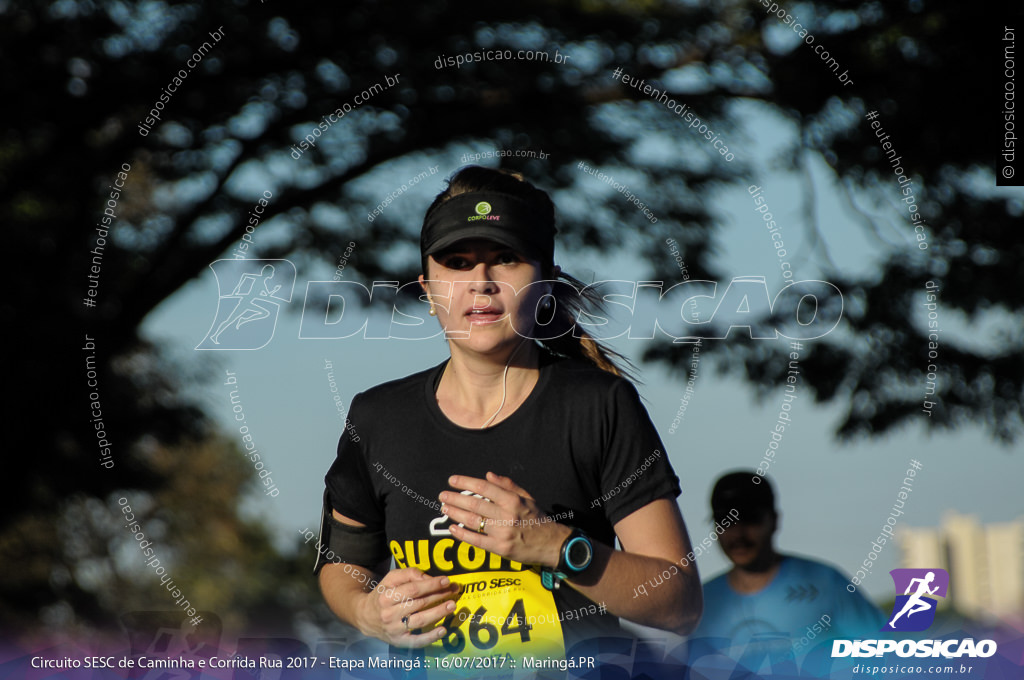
point(406, 600)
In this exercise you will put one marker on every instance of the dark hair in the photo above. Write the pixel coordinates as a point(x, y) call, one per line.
point(745, 490)
point(567, 307)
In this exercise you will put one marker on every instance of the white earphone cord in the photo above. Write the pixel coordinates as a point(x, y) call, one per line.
point(504, 377)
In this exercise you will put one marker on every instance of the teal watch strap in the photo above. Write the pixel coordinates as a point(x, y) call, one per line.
point(550, 578)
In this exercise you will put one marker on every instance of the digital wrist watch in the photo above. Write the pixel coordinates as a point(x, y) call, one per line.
point(575, 556)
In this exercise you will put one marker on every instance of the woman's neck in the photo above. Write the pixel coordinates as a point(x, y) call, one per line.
point(475, 390)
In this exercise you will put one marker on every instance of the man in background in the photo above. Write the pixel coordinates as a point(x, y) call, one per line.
point(771, 607)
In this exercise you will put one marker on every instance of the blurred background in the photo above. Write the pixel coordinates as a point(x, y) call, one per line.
point(80, 81)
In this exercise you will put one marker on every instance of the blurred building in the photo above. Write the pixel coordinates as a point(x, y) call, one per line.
point(985, 563)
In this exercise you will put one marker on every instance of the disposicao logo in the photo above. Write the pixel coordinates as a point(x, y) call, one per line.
point(246, 317)
point(923, 583)
point(914, 611)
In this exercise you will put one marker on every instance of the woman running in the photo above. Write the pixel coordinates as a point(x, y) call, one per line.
point(499, 480)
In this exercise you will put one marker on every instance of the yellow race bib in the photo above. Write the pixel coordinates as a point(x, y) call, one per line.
point(505, 615)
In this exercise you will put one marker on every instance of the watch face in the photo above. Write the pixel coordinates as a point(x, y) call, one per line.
point(578, 554)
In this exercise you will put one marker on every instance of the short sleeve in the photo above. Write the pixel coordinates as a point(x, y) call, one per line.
point(634, 466)
point(349, 482)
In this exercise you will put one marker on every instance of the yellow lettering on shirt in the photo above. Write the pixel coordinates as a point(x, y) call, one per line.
point(438, 558)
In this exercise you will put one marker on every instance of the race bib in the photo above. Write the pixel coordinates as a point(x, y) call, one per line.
point(500, 614)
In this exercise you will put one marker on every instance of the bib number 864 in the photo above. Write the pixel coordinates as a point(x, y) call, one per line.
point(483, 635)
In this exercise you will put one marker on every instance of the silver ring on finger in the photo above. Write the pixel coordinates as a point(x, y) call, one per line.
point(405, 620)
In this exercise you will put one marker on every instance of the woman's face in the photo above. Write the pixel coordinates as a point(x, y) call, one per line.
point(473, 286)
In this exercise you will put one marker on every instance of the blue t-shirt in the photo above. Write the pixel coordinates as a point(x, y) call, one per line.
point(807, 603)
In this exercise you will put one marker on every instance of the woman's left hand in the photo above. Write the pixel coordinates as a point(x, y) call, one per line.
point(513, 524)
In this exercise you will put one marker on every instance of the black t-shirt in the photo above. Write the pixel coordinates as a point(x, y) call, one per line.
point(581, 444)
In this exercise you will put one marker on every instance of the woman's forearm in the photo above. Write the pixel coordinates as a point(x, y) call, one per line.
point(653, 538)
point(614, 576)
point(345, 593)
